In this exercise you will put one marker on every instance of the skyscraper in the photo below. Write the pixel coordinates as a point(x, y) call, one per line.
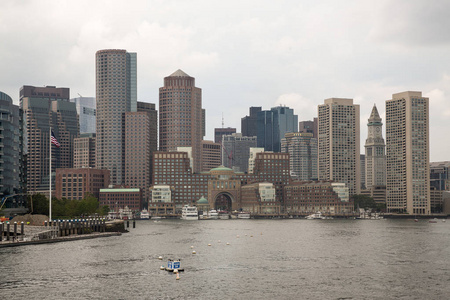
point(408, 153)
point(249, 123)
point(338, 144)
point(116, 87)
point(308, 127)
point(219, 132)
point(86, 113)
point(375, 152)
point(45, 107)
point(302, 149)
point(273, 124)
point(181, 115)
point(12, 167)
point(236, 151)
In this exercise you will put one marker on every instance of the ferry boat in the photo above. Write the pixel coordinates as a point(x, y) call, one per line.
point(125, 213)
point(213, 214)
point(315, 216)
point(189, 213)
point(145, 215)
point(243, 215)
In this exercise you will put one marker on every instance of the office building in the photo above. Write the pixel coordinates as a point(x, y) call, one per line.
point(338, 143)
point(12, 164)
point(121, 197)
point(440, 175)
point(180, 115)
point(252, 157)
point(236, 151)
point(249, 123)
point(77, 184)
point(273, 124)
point(116, 87)
point(84, 151)
point(211, 155)
point(86, 109)
point(219, 132)
point(308, 127)
point(45, 108)
point(302, 149)
point(408, 154)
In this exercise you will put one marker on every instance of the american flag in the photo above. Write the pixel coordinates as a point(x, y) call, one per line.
point(54, 140)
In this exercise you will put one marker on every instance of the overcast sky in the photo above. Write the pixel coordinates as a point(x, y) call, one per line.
point(242, 53)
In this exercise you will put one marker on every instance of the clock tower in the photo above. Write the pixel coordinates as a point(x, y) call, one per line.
point(375, 152)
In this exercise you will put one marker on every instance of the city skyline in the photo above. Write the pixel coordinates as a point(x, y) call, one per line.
point(262, 55)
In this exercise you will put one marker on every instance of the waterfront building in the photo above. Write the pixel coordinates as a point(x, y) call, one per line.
point(45, 108)
point(362, 163)
point(120, 197)
point(338, 143)
point(77, 183)
point(236, 151)
point(116, 94)
point(440, 175)
point(310, 197)
point(86, 109)
point(252, 156)
point(302, 149)
point(407, 153)
point(84, 151)
point(181, 118)
point(308, 127)
point(273, 124)
point(161, 201)
point(375, 157)
point(12, 161)
point(377, 193)
point(221, 185)
point(259, 198)
point(211, 155)
point(219, 132)
point(249, 123)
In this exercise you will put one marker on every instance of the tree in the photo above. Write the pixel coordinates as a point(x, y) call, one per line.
point(38, 204)
point(363, 201)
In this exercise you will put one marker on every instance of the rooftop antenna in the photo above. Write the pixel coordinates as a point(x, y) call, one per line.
point(80, 95)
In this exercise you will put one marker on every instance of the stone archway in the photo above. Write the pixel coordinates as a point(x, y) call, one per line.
point(223, 202)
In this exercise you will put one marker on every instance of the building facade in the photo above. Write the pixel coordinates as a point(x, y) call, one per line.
point(236, 151)
point(116, 94)
point(12, 163)
point(84, 151)
point(181, 115)
point(302, 149)
point(121, 197)
point(211, 155)
point(86, 109)
point(273, 124)
point(45, 108)
point(338, 143)
point(249, 123)
point(76, 184)
point(219, 132)
point(440, 175)
point(308, 127)
point(407, 153)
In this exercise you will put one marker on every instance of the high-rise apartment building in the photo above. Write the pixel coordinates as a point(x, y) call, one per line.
point(12, 165)
point(86, 113)
point(84, 151)
point(116, 94)
point(181, 115)
point(249, 123)
point(273, 124)
point(375, 157)
point(45, 108)
point(140, 143)
point(302, 149)
point(408, 153)
point(338, 143)
point(236, 151)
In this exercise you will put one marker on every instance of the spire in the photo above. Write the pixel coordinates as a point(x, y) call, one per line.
point(374, 116)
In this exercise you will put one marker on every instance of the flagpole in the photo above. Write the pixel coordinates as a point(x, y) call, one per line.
point(50, 176)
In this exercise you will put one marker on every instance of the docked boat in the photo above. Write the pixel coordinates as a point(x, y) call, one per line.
point(243, 215)
point(315, 216)
point(145, 215)
point(433, 220)
point(189, 213)
point(213, 214)
point(125, 213)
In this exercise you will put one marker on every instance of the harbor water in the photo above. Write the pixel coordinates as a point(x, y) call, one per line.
point(246, 259)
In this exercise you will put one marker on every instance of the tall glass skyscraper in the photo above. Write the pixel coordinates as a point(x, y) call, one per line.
point(116, 94)
point(86, 113)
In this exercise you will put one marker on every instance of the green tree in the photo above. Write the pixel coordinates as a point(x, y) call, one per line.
point(38, 204)
point(363, 201)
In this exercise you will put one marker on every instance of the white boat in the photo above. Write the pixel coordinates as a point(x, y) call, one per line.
point(125, 213)
point(189, 213)
point(112, 215)
point(243, 215)
point(315, 216)
point(145, 215)
point(213, 214)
